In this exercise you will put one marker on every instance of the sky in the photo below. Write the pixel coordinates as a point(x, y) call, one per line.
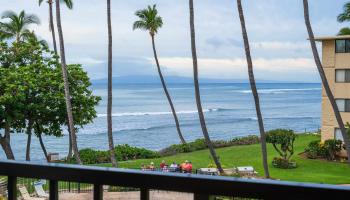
point(276, 31)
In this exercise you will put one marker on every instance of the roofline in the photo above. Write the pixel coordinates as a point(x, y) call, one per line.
point(336, 37)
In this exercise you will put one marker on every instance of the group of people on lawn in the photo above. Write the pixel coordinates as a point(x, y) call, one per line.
point(185, 167)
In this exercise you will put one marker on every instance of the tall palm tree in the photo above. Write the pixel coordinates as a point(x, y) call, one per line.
point(197, 92)
point(51, 24)
point(17, 26)
point(73, 137)
point(254, 90)
point(324, 78)
point(150, 21)
point(109, 106)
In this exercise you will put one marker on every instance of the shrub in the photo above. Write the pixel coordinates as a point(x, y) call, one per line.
point(123, 153)
point(313, 150)
point(283, 163)
point(283, 142)
point(332, 147)
point(328, 150)
point(200, 144)
point(126, 152)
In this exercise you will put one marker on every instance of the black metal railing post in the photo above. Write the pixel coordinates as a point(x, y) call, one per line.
point(144, 194)
point(12, 188)
point(53, 190)
point(98, 192)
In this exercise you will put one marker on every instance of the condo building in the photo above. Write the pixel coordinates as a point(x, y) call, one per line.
point(336, 64)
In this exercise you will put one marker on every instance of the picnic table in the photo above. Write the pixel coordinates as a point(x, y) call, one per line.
point(208, 171)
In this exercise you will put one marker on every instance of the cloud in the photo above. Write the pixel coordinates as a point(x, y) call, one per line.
point(276, 31)
point(278, 45)
point(236, 68)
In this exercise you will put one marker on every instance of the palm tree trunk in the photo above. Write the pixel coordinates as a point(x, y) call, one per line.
point(197, 92)
point(183, 141)
point(29, 139)
point(324, 79)
point(70, 151)
point(254, 90)
point(110, 95)
point(6, 145)
point(52, 27)
point(66, 83)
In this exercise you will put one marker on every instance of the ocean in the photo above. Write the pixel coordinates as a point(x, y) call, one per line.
point(142, 116)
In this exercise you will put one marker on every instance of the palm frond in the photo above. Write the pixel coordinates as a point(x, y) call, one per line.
point(31, 19)
point(8, 14)
point(40, 2)
point(69, 3)
point(345, 16)
point(148, 19)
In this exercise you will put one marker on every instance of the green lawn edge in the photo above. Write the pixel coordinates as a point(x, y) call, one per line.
point(313, 171)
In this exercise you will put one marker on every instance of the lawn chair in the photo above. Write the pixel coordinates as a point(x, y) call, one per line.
point(25, 194)
point(38, 186)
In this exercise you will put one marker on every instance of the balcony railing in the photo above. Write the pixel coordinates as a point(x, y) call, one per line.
point(201, 186)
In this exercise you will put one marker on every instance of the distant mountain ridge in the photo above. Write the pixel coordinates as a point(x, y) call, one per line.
point(147, 79)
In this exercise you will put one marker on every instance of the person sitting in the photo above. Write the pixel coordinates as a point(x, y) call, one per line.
point(151, 166)
point(183, 166)
point(162, 165)
point(187, 167)
point(174, 167)
point(143, 167)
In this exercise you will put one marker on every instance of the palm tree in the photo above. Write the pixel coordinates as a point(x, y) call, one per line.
point(197, 92)
point(51, 24)
point(343, 17)
point(17, 26)
point(150, 21)
point(254, 90)
point(109, 106)
point(73, 138)
point(324, 78)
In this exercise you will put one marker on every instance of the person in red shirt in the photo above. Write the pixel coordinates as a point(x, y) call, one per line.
point(162, 165)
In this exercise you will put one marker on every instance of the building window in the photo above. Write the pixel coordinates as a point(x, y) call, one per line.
point(342, 46)
point(338, 135)
point(342, 75)
point(343, 105)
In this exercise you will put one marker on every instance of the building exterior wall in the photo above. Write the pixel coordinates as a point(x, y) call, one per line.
point(332, 61)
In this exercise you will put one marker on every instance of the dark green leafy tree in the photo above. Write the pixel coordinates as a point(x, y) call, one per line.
point(150, 21)
point(15, 26)
point(32, 94)
point(344, 17)
point(197, 91)
point(282, 141)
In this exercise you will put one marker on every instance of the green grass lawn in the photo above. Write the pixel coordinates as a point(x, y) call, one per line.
point(315, 171)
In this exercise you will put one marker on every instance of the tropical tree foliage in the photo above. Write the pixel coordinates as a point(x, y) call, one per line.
point(15, 26)
point(32, 94)
point(344, 17)
point(150, 21)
